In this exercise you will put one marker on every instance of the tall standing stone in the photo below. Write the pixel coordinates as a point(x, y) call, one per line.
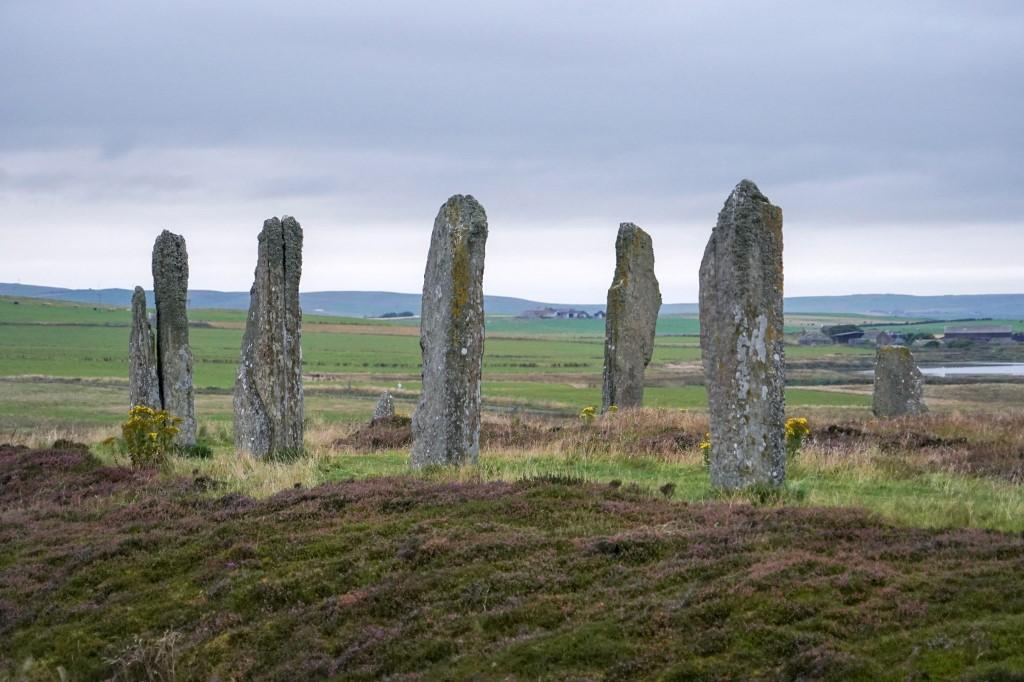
point(634, 300)
point(741, 341)
point(143, 385)
point(174, 355)
point(446, 424)
point(268, 390)
point(899, 384)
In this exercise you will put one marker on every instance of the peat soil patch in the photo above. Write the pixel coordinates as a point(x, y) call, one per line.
point(107, 572)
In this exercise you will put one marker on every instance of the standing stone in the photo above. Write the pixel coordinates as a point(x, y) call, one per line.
point(899, 384)
point(268, 390)
point(446, 424)
point(633, 303)
point(174, 356)
point(741, 341)
point(143, 385)
point(385, 407)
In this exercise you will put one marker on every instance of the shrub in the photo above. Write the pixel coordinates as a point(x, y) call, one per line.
point(797, 430)
point(148, 435)
point(705, 449)
point(588, 414)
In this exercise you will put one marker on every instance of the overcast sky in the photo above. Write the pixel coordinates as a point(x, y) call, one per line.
point(891, 134)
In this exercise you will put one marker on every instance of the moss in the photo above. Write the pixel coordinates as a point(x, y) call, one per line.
point(461, 276)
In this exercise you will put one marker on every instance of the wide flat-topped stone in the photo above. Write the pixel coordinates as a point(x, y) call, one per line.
point(899, 384)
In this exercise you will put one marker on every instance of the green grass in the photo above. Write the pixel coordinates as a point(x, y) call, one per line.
point(940, 327)
point(558, 368)
point(938, 500)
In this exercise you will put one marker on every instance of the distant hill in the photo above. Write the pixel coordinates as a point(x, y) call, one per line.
point(346, 303)
point(375, 303)
point(999, 306)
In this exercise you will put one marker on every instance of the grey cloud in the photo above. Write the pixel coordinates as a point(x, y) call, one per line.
point(578, 112)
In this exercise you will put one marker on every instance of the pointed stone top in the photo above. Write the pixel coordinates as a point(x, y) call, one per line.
point(747, 208)
point(628, 228)
point(168, 235)
point(746, 189)
point(139, 300)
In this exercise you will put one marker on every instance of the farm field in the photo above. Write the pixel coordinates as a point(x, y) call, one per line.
point(65, 365)
point(77, 354)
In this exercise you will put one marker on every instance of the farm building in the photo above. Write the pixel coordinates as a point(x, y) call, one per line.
point(538, 314)
point(984, 334)
point(571, 314)
point(843, 333)
point(555, 314)
point(814, 338)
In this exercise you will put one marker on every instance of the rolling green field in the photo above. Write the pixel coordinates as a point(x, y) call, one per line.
point(65, 361)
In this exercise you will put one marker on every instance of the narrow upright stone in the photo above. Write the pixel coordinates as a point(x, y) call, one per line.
point(741, 341)
point(174, 355)
point(268, 389)
point(446, 424)
point(634, 300)
point(899, 384)
point(143, 385)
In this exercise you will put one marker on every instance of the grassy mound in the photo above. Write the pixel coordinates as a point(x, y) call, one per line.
point(108, 572)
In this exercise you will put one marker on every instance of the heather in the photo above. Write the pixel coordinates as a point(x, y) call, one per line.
point(106, 571)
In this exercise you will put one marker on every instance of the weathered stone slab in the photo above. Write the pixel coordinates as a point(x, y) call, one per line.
point(446, 424)
point(143, 384)
point(899, 384)
point(268, 389)
point(385, 408)
point(741, 341)
point(174, 355)
point(634, 300)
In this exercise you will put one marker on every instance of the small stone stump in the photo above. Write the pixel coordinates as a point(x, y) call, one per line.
point(446, 423)
point(899, 384)
point(174, 355)
point(268, 398)
point(385, 408)
point(741, 342)
point(634, 300)
point(143, 384)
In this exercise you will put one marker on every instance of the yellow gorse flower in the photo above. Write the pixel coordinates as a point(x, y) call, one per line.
point(797, 427)
point(147, 436)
